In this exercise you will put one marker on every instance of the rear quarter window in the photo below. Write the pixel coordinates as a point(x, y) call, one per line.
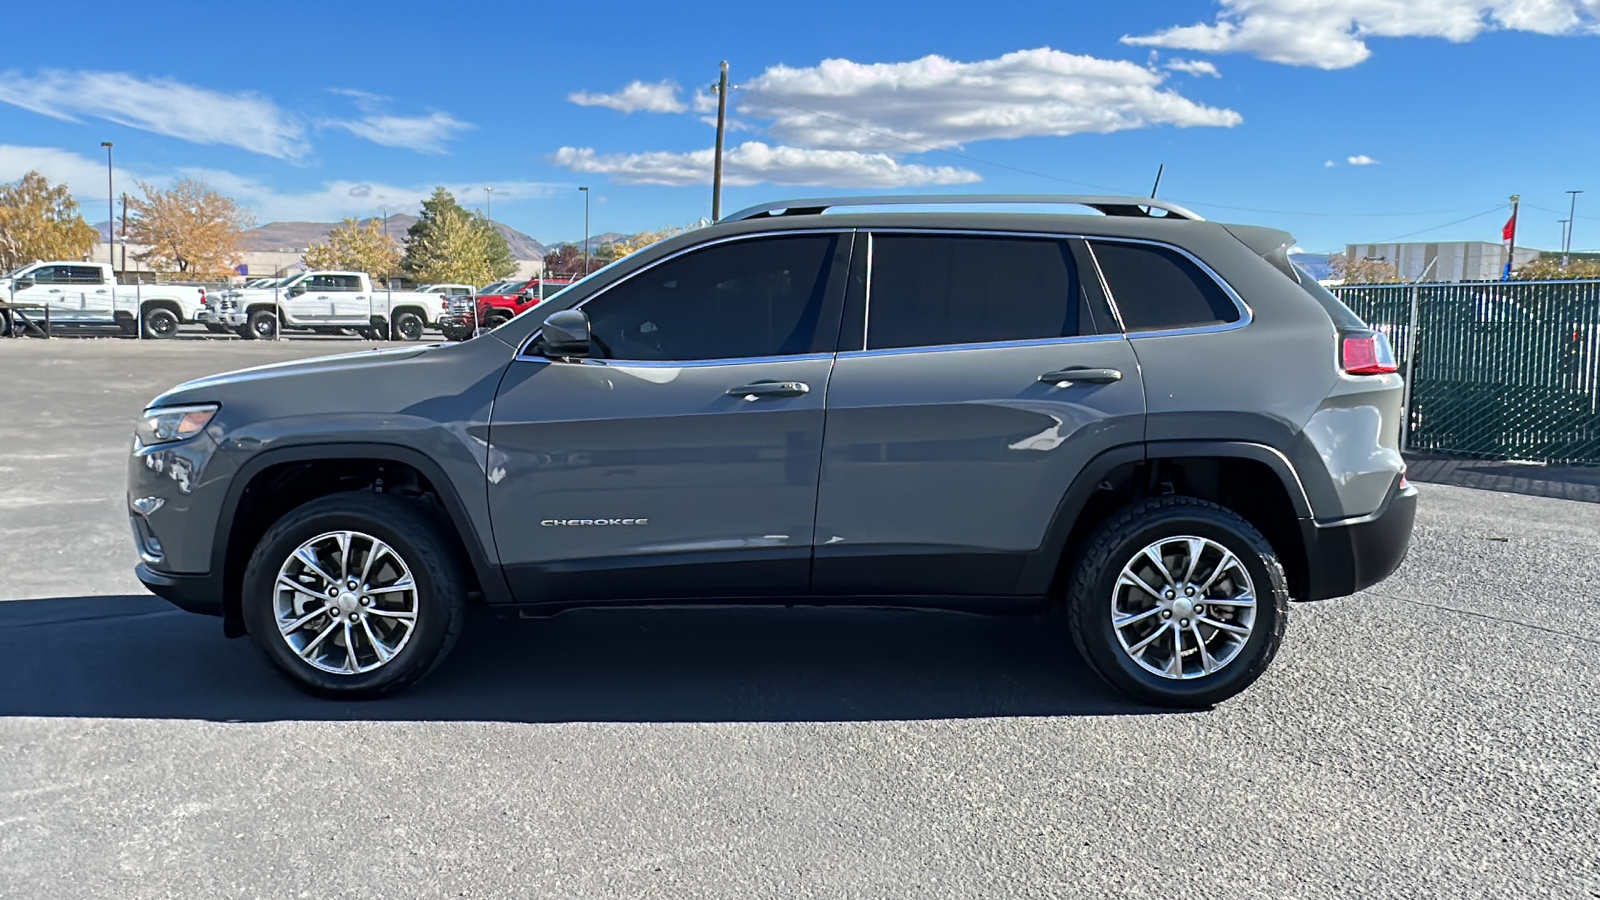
point(1157, 288)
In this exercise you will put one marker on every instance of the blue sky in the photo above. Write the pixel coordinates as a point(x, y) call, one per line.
point(1262, 110)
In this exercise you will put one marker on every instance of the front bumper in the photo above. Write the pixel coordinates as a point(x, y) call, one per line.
point(190, 593)
point(1345, 558)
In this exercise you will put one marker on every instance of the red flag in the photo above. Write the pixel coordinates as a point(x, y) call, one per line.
point(1510, 231)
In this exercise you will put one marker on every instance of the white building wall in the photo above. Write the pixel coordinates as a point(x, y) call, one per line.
point(1451, 260)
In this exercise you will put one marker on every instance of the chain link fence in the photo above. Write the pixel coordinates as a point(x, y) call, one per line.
point(1499, 370)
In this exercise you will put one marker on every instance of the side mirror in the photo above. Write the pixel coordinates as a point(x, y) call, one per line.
point(22, 284)
point(566, 333)
point(297, 290)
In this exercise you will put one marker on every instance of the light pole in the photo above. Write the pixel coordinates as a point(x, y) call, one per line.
point(488, 204)
point(1572, 225)
point(585, 229)
point(111, 211)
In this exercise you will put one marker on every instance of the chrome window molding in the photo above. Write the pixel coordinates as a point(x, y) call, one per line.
point(983, 345)
point(524, 355)
point(683, 364)
point(1246, 316)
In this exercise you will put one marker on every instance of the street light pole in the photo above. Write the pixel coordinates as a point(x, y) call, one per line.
point(111, 211)
point(585, 229)
point(488, 204)
point(1572, 225)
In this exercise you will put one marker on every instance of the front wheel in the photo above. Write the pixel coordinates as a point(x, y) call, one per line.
point(408, 326)
point(262, 325)
point(355, 595)
point(1178, 602)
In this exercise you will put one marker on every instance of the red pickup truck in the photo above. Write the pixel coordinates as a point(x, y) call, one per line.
point(460, 320)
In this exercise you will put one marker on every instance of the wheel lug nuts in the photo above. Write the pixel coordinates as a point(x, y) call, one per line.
point(1199, 610)
point(366, 601)
point(1189, 591)
point(1166, 614)
point(1170, 595)
point(1184, 623)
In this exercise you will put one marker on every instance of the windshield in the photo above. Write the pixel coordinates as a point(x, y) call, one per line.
point(15, 272)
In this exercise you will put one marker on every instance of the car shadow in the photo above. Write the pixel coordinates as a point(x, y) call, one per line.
point(136, 657)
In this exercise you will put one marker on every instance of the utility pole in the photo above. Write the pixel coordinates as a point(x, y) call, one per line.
point(1157, 186)
point(1511, 227)
point(111, 210)
point(585, 230)
point(1572, 225)
point(722, 127)
point(1563, 241)
point(124, 232)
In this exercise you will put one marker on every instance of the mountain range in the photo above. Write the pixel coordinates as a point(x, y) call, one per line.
point(297, 236)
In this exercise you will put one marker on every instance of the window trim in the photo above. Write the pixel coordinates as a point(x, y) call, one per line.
point(524, 354)
point(866, 323)
point(1246, 315)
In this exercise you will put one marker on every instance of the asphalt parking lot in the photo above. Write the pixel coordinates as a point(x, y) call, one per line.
point(1438, 736)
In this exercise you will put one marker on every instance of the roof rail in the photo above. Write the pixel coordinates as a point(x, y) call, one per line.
point(1108, 205)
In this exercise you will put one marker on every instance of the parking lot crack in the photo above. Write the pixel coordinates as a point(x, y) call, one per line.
point(1482, 615)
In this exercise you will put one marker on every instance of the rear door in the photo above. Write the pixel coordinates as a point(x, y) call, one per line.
point(352, 303)
point(680, 462)
point(987, 376)
point(94, 293)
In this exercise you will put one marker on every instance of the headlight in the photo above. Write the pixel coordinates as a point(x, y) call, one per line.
point(173, 423)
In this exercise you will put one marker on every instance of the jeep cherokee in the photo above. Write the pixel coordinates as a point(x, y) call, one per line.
point(1151, 419)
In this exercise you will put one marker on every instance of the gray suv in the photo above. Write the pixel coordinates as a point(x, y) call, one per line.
point(1155, 421)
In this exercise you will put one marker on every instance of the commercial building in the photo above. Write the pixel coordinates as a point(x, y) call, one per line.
point(1449, 260)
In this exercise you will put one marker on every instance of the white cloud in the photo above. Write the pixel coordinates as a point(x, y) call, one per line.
point(1195, 67)
point(1329, 164)
point(1332, 34)
point(345, 198)
point(757, 163)
point(661, 97)
point(1361, 160)
point(84, 177)
point(937, 102)
point(162, 106)
point(424, 134)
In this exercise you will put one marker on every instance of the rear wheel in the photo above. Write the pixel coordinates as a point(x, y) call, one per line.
point(355, 595)
point(160, 323)
point(1178, 602)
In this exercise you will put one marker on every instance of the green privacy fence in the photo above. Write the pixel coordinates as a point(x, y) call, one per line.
point(1502, 370)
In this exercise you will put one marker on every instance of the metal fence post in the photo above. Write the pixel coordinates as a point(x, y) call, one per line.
point(138, 306)
point(1411, 361)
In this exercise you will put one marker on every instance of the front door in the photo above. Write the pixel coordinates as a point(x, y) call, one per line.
point(680, 461)
point(988, 375)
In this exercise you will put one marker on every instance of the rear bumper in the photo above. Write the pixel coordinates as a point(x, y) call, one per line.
point(190, 593)
point(1345, 558)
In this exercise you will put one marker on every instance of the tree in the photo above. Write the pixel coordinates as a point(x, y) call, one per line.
point(1362, 271)
point(449, 244)
point(564, 261)
point(190, 229)
point(40, 221)
point(1549, 268)
point(357, 248)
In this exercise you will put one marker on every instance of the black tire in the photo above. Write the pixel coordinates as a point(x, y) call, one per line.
point(408, 326)
point(160, 323)
point(494, 322)
point(1116, 542)
point(456, 334)
point(5, 323)
point(417, 534)
point(262, 325)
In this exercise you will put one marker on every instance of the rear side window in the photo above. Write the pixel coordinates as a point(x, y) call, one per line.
point(1158, 288)
point(83, 274)
point(933, 290)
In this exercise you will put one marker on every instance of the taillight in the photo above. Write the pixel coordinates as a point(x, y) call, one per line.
point(1368, 354)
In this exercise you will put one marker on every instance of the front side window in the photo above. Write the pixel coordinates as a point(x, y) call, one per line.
point(933, 290)
point(747, 298)
point(1157, 288)
point(47, 275)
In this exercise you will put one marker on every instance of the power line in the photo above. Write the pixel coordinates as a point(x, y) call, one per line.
point(1497, 208)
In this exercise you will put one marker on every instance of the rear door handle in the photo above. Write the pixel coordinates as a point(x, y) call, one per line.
point(770, 389)
point(1081, 375)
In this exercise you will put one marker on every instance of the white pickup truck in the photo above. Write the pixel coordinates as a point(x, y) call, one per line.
point(85, 293)
point(326, 302)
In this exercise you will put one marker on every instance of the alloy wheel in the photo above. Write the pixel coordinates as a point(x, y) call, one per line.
point(1183, 607)
point(345, 602)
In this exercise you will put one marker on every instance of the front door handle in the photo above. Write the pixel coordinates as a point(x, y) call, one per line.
point(1081, 375)
point(770, 389)
point(55, 290)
